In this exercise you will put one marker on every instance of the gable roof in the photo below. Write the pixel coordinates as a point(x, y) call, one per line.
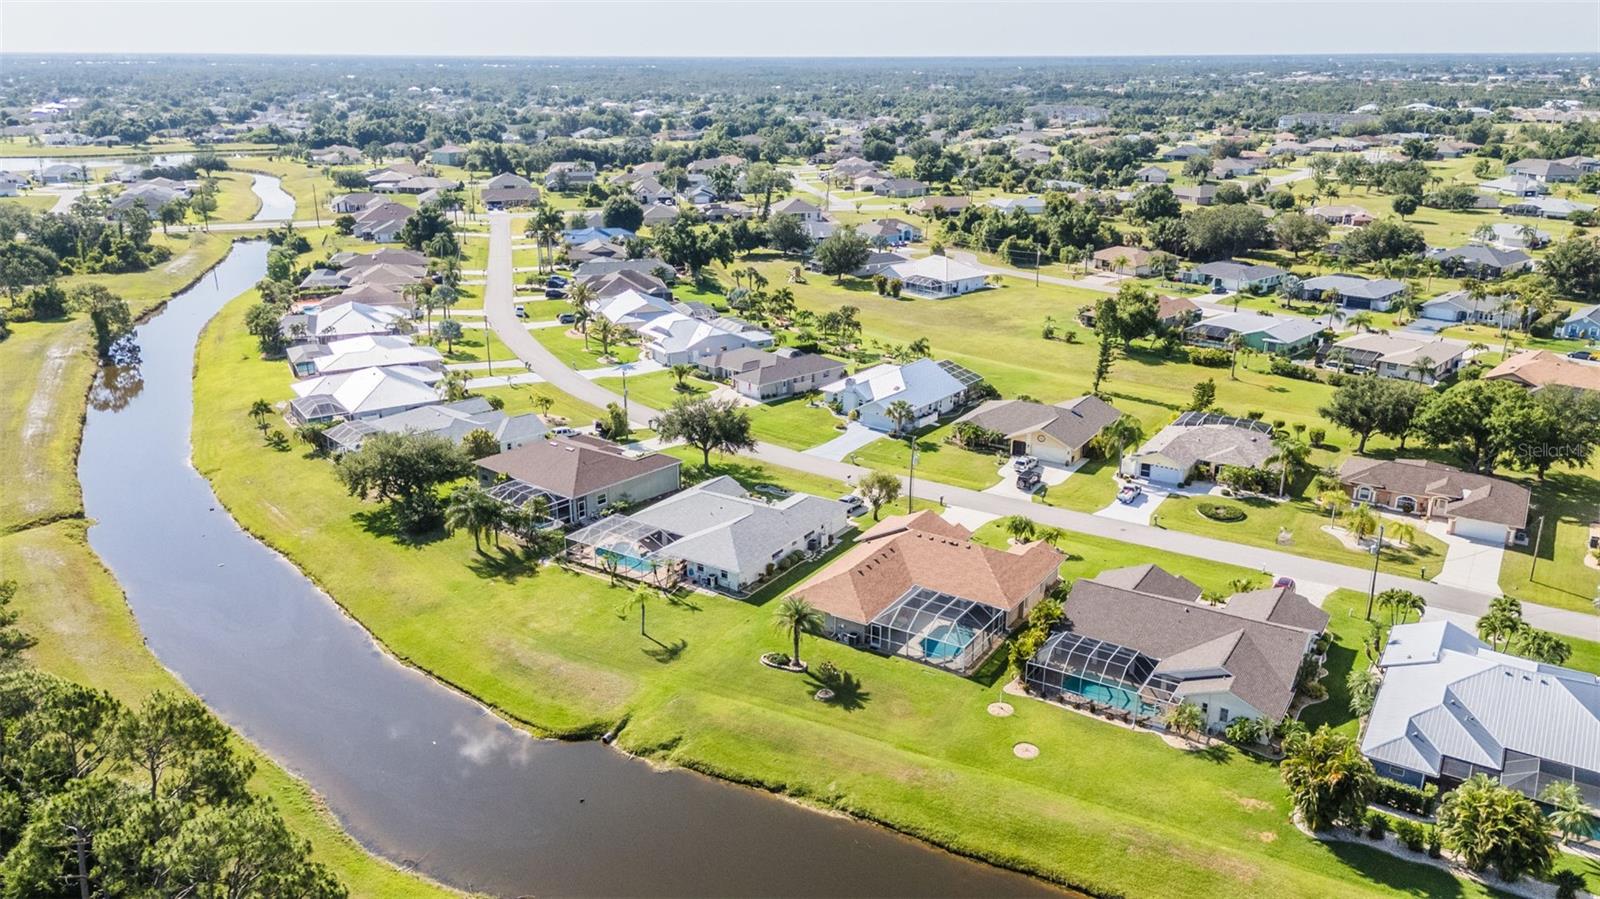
point(718, 523)
point(1472, 495)
point(574, 466)
point(1542, 368)
point(1073, 422)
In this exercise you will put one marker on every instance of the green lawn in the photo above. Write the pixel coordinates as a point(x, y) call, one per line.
point(1265, 518)
point(21, 146)
point(521, 398)
point(571, 351)
point(913, 747)
point(477, 345)
point(1088, 555)
point(34, 201)
point(1348, 626)
point(1568, 502)
point(1089, 489)
point(936, 460)
point(794, 423)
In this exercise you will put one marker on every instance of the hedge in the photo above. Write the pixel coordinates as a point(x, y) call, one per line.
point(1210, 358)
point(1406, 798)
point(1220, 511)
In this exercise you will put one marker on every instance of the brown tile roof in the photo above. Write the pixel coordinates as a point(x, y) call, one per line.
point(1169, 307)
point(1541, 368)
point(574, 466)
point(924, 550)
point(1073, 422)
point(1473, 495)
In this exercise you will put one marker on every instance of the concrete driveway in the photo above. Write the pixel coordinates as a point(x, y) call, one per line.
point(1468, 563)
point(855, 436)
point(1136, 512)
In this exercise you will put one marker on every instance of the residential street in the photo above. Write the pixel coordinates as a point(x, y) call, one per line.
point(499, 302)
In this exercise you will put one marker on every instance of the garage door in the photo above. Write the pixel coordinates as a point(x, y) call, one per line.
point(1484, 531)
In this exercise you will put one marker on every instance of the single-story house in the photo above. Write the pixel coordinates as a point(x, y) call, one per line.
point(1142, 640)
point(1341, 215)
point(450, 420)
point(900, 187)
point(1475, 506)
point(1538, 369)
point(1124, 260)
point(677, 339)
point(1152, 174)
point(1547, 207)
point(1184, 152)
point(1355, 292)
point(918, 586)
point(1479, 261)
point(1280, 335)
point(449, 154)
point(626, 280)
point(1058, 434)
point(650, 266)
point(508, 190)
point(1394, 356)
point(937, 277)
point(321, 324)
point(1581, 324)
point(890, 231)
point(1546, 170)
point(1031, 205)
point(1517, 237)
point(1196, 445)
point(770, 375)
point(1198, 194)
point(581, 477)
point(1231, 275)
point(716, 535)
point(1450, 707)
point(804, 210)
point(1233, 168)
point(931, 205)
point(1516, 186)
point(633, 309)
point(933, 388)
point(1460, 306)
point(1176, 312)
point(566, 176)
point(62, 172)
point(364, 393)
point(382, 223)
point(308, 360)
point(354, 203)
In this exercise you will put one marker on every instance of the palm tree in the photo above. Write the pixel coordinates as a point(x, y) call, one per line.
point(1235, 345)
point(1361, 321)
point(1291, 455)
point(681, 372)
point(1050, 535)
point(418, 294)
point(1424, 366)
point(1333, 500)
point(259, 410)
point(544, 403)
point(580, 297)
point(605, 332)
point(1186, 719)
point(1403, 532)
point(471, 507)
point(1498, 627)
point(1361, 522)
point(1329, 780)
point(1019, 528)
point(1569, 814)
point(1118, 436)
point(795, 616)
point(1401, 603)
point(902, 414)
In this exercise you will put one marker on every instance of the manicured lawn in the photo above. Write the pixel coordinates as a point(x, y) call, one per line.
point(1266, 518)
point(477, 345)
point(1088, 555)
point(794, 423)
point(474, 255)
point(521, 398)
point(1089, 489)
point(236, 202)
point(659, 390)
point(543, 310)
point(913, 747)
point(571, 351)
point(1568, 501)
point(34, 201)
point(936, 460)
point(1348, 626)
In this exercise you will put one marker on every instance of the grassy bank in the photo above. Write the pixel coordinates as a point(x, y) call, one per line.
point(910, 746)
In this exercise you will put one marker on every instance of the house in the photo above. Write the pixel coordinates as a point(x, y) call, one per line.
point(337, 154)
point(1354, 216)
point(656, 216)
point(566, 176)
point(650, 192)
point(623, 281)
point(1474, 506)
point(382, 223)
point(900, 187)
point(1233, 168)
point(918, 586)
point(63, 172)
point(1538, 369)
point(1450, 707)
point(1176, 312)
point(716, 535)
point(1152, 174)
point(632, 309)
point(580, 476)
point(363, 393)
point(678, 339)
point(1584, 164)
point(1547, 207)
point(1124, 260)
point(1460, 306)
point(146, 196)
point(1480, 261)
point(933, 388)
point(1507, 236)
point(453, 421)
point(1231, 275)
point(579, 236)
point(1516, 186)
point(937, 277)
point(701, 195)
point(507, 191)
point(1196, 445)
point(449, 154)
point(1029, 205)
point(1183, 153)
point(889, 232)
point(1581, 324)
point(762, 375)
point(1545, 170)
point(354, 203)
point(1031, 154)
point(805, 210)
point(368, 351)
point(706, 166)
point(1354, 291)
point(423, 184)
point(939, 205)
point(649, 265)
point(1263, 333)
point(1393, 356)
point(1198, 194)
point(1057, 434)
point(1142, 641)
point(324, 325)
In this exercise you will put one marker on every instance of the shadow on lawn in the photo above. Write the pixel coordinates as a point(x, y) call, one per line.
point(848, 693)
point(1396, 874)
point(504, 563)
point(666, 653)
point(380, 521)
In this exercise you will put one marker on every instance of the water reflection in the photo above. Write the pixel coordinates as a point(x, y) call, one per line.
point(117, 381)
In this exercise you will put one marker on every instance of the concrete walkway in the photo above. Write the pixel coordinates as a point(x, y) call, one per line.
point(498, 303)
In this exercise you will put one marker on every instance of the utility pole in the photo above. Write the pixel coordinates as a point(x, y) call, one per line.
point(1036, 266)
point(1536, 541)
point(1377, 554)
point(911, 476)
point(316, 205)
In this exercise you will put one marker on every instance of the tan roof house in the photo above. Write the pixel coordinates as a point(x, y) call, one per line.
point(1537, 369)
point(1475, 506)
point(1057, 433)
point(1124, 260)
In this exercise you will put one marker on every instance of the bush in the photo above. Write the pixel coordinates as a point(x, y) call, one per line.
point(1377, 824)
point(1220, 511)
point(1285, 368)
point(1568, 883)
point(1412, 834)
point(1210, 358)
point(1317, 435)
point(1406, 798)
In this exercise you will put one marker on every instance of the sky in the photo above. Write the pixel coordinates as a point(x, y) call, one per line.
point(784, 28)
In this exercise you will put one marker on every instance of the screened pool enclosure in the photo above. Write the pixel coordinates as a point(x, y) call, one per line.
point(938, 629)
point(1076, 668)
point(622, 546)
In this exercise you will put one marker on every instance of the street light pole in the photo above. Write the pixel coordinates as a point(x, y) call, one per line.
point(1377, 554)
point(911, 476)
point(1539, 538)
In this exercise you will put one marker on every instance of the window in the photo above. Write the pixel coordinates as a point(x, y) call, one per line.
point(1222, 714)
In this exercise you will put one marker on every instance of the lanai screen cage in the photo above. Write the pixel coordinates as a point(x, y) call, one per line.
point(1081, 668)
point(938, 628)
point(620, 545)
point(518, 494)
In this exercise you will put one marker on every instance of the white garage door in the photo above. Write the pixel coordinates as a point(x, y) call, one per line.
point(1485, 531)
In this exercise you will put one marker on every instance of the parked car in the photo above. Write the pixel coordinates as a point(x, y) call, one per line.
point(564, 431)
point(1580, 355)
point(554, 293)
point(853, 505)
point(1129, 493)
point(567, 318)
point(522, 311)
point(1024, 463)
point(1029, 481)
point(773, 490)
point(555, 281)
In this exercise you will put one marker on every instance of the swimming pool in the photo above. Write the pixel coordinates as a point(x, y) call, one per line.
point(1116, 697)
point(625, 561)
point(946, 641)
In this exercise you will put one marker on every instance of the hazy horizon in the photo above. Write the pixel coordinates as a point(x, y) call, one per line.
point(785, 29)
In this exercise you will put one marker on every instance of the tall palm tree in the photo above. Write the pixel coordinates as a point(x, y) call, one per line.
point(1361, 321)
point(902, 414)
point(1569, 814)
point(1498, 627)
point(1235, 346)
point(471, 507)
point(418, 294)
point(795, 616)
point(681, 372)
point(259, 410)
point(1118, 436)
point(1290, 455)
point(1360, 521)
point(605, 331)
point(1019, 527)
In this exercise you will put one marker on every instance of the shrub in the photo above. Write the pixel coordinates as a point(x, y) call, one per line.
point(1210, 358)
point(1220, 511)
point(1568, 883)
point(1287, 369)
point(1412, 834)
point(1435, 843)
point(1317, 435)
point(1377, 824)
point(1406, 798)
point(1255, 414)
point(828, 672)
